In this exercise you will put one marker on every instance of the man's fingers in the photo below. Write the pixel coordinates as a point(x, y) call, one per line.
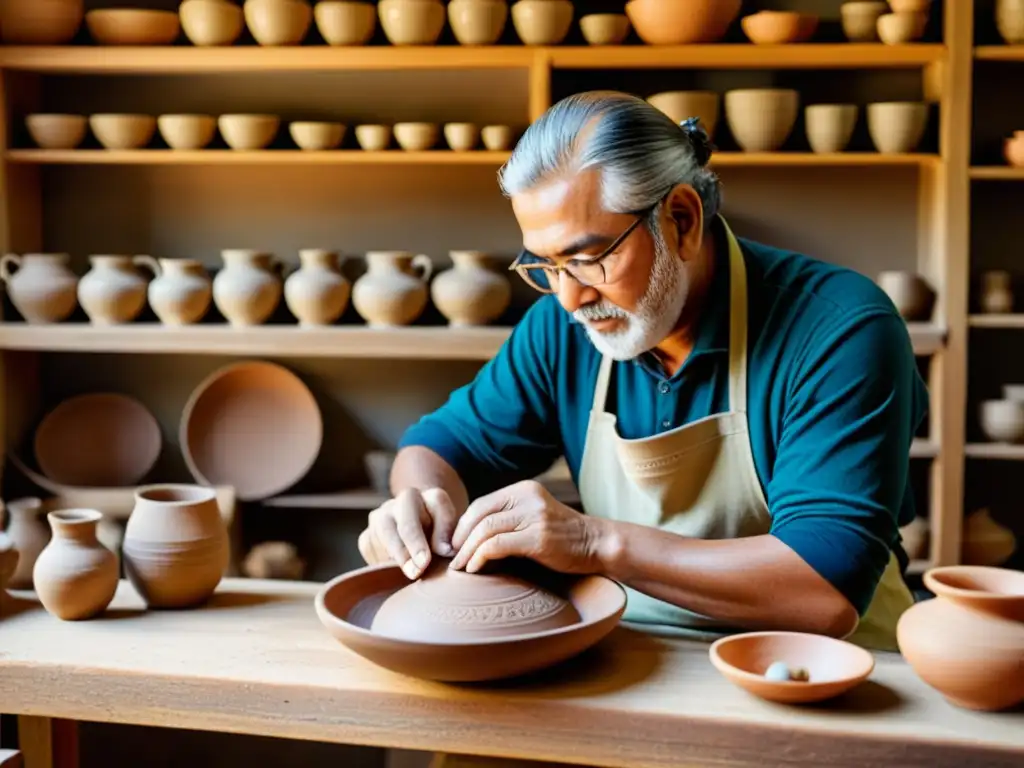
point(366, 547)
point(410, 517)
point(477, 511)
point(502, 545)
point(490, 526)
point(444, 517)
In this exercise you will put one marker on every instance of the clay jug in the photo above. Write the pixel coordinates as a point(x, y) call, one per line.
point(1010, 20)
point(996, 292)
point(75, 576)
point(967, 642)
point(29, 534)
point(471, 292)
point(42, 287)
point(175, 548)
point(391, 292)
point(113, 291)
point(317, 293)
point(247, 290)
point(181, 294)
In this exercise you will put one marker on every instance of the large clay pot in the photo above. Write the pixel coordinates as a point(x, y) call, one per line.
point(29, 535)
point(761, 119)
point(694, 21)
point(1010, 20)
point(317, 293)
point(542, 22)
point(472, 292)
point(246, 291)
point(967, 642)
point(75, 576)
point(181, 294)
point(113, 291)
point(411, 22)
point(391, 292)
point(40, 22)
point(477, 22)
point(175, 545)
point(42, 288)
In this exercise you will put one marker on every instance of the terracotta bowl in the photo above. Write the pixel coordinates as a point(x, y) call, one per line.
point(605, 28)
point(462, 137)
point(834, 666)
point(187, 131)
point(248, 132)
point(123, 131)
point(57, 131)
point(497, 138)
point(682, 105)
point(278, 22)
point(211, 22)
point(411, 22)
point(254, 426)
point(860, 19)
point(900, 28)
point(761, 119)
point(477, 22)
point(542, 22)
point(897, 126)
point(373, 138)
point(348, 605)
point(416, 137)
point(779, 27)
point(317, 136)
point(133, 26)
point(694, 21)
point(1002, 421)
point(344, 22)
point(1013, 149)
point(40, 22)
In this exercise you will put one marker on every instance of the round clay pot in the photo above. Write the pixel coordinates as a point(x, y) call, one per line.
point(182, 293)
point(317, 293)
point(411, 22)
point(278, 22)
point(42, 287)
point(113, 291)
point(901, 28)
point(416, 137)
point(985, 542)
point(29, 535)
point(75, 576)
point(966, 643)
point(897, 126)
point(913, 297)
point(317, 136)
point(860, 19)
point(497, 138)
point(461, 137)
point(345, 22)
point(996, 292)
point(1013, 149)
point(542, 22)
point(176, 546)
point(115, 131)
point(605, 28)
point(830, 126)
point(477, 22)
point(761, 119)
point(682, 105)
point(57, 131)
point(1009, 15)
point(779, 27)
point(248, 132)
point(133, 26)
point(211, 22)
point(40, 22)
point(695, 21)
point(1002, 421)
point(246, 291)
point(187, 131)
point(373, 138)
point(391, 293)
point(472, 292)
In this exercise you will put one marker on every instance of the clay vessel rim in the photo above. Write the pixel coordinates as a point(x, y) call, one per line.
point(57, 115)
point(695, 92)
point(187, 115)
point(867, 660)
point(191, 494)
point(318, 123)
point(75, 516)
point(115, 12)
point(603, 16)
point(121, 116)
point(768, 14)
point(328, 617)
point(934, 581)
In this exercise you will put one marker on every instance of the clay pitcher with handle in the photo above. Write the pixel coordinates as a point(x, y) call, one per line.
point(471, 292)
point(41, 285)
point(181, 295)
point(248, 289)
point(394, 289)
point(113, 291)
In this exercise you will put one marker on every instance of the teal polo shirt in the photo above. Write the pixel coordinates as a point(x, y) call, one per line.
point(834, 401)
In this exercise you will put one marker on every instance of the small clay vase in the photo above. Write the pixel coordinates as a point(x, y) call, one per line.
point(247, 290)
point(913, 298)
point(996, 292)
point(113, 291)
point(182, 293)
point(471, 292)
point(966, 643)
point(986, 542)
point(1010, 20)
point(29, 534)
point(41, 286)
point(175, 547)
point(391, 293)
point(317, 293)
point(75, 576)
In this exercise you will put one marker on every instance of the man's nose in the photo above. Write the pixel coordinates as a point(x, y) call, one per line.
point(572, 294)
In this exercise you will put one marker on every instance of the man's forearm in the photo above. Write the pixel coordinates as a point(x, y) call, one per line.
point(756, 582)
point(420, 468)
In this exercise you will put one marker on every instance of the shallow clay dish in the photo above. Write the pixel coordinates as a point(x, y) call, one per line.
point(254, 426)
point(133, 26)
point(538, 628)
point(101, 439)
point(834, 666)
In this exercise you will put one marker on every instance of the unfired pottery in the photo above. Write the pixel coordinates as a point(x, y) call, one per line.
point(417, 136)
point(411, 22)
point(996, 292)
point(986, 542)
point(1009, 16)
point(901, 28)
point(372, 137)
point(187, 132)
point(472, 292)
point(274, 560)
point(40, 22)
point(316, 136)
point(461, 137)
point(211, 22)
point(345, 22)
point(897, 126)
point(761, 119)
point(176, 547)
point(497, 138)
point(677, 23)
point(133, 26)
point(278, 22)
point(860, 19)
point(181, 295)
point(682, 105)
point(966, 643)
point(605, 28)
point(29, 534)
point(123, 131)
point(913, 298)
point(830, 126)
point(477, 22)
point(248, 133)
point(1002, 421)
point(394, 289)
point(113, 291)
point(55, 131)
point(1013, 149)
point(317, 293)
point(75, 576)
point(542, 22)
point(42, 287)
point(246, 291)
point(779, 27)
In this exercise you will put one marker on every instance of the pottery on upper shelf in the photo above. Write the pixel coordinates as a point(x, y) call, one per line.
point(56, 131)
point(317, 293)
point(695, 21)
point(605, 28)
point(411, 22)
point(901, 27)
point(761, 119)
point(860, 19)
point(41, 286)
point(40, 22)
point(1009, 17)
point(897, 126)
point(133, 26)
point(187, 132)
point(345, 22)
point(123, 131)
point(682, 105)
point(317, 136)
point(113, 291)
point(461, 137)
point(211, 22)
point(182, 293)
point(477, 22)
point(278, 22)
point(830, 126)
point(248, 289)
point(778, 27)
point(542, 22)
point(472, 292)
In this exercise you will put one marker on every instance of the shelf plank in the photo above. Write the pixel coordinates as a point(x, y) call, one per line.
point(367, 499)
point(996, 321)
point(241, 157)
point(999, 53)
point(997, 173)
point(995, 451)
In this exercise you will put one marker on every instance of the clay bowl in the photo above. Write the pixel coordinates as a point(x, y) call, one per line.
point(913, 298)
point(682, 105)
point(185, 132)
point(248, 132)
point(834, 666)
point(860, 20)
point(211, 22)
point(911, 6)
point(830, 126)
point(542, 22)
point(497, 138)
point(418, 642)
point(57, 131)
point(899, 28)
point(317, 136)
point(897, 126)
point(40, 22)
point(477, 22)
point(373, 138)
point(344, 22)
point(694, 21)
point(278, 22)
point(102, 439)
point(123, 131)
point(1002, 421)
point(133, 26)
point(416, 137)
point(605, 28)
point(461, 137)
point(761, 119)
point(411, 22)
point(1013, 149)
point(779, 27)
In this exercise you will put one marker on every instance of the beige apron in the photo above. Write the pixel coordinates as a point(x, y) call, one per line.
point(699, 481)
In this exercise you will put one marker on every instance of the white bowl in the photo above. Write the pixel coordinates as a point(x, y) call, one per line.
point(1002, 421)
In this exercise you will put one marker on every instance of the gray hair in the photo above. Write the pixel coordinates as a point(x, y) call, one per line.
point(641, 152)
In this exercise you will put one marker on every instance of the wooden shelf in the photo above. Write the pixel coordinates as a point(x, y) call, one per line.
point(997, 321)
point(997, 173)
point(367, 499)
point(995, 451)
point(999, 53)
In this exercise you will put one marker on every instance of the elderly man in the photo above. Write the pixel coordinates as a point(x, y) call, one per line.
point(738, 418)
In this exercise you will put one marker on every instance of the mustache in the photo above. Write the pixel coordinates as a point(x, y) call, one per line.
point(601, 310)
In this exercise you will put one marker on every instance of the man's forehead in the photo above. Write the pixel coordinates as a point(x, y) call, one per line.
point(566, 197)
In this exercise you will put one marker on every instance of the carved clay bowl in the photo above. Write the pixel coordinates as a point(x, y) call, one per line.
point(433, 629)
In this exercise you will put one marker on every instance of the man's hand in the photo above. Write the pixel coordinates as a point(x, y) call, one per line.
point(524, 520)
point(397, 530)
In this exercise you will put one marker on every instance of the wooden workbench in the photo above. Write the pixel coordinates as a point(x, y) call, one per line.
point(257, 661)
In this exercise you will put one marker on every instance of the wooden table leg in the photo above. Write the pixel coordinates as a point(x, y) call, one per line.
point(48, 743)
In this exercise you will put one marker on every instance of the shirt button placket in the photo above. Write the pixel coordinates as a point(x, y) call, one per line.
point(664, 407)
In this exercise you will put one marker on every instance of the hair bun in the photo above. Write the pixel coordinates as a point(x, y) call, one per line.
point(699, 140)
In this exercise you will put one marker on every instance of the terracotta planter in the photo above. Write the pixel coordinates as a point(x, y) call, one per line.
point(246, 291)
point(471, 292)
point(1010, 20)
point(996, 292)
point(411, 22)
point(830, 126)
point(29, 534)
point(211, 22)
point(40, 22)
point(75, 576)
point(682, 105)
point(176, 546)
point(860, 20)
point(113, 291)
point(910, 293)
point(477, 22)
point(317, 293)
point(42, 287)
point(897, 126)
point(57, 131)
point(181, 295)
point(391, 292)
point(542, 22)
point(761, 119)
point(344, 22)
point(694, 21)
point(966, 643)
point(278, 22)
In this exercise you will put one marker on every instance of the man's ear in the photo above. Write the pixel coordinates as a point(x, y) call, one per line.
point(685, 213)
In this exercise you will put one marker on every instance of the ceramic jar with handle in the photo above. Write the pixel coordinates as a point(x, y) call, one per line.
point(471, 292)
point(29, 534)
point(113, 291)
point(394, 289)
point(317, 293)
point(182, 293)
point(41, 285)
point(248, 289)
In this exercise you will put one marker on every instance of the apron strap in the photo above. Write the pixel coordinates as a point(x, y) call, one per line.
point(737, 324)
point(604, 375)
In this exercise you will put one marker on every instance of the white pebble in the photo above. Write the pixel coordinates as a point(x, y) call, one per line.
point(780, 672)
